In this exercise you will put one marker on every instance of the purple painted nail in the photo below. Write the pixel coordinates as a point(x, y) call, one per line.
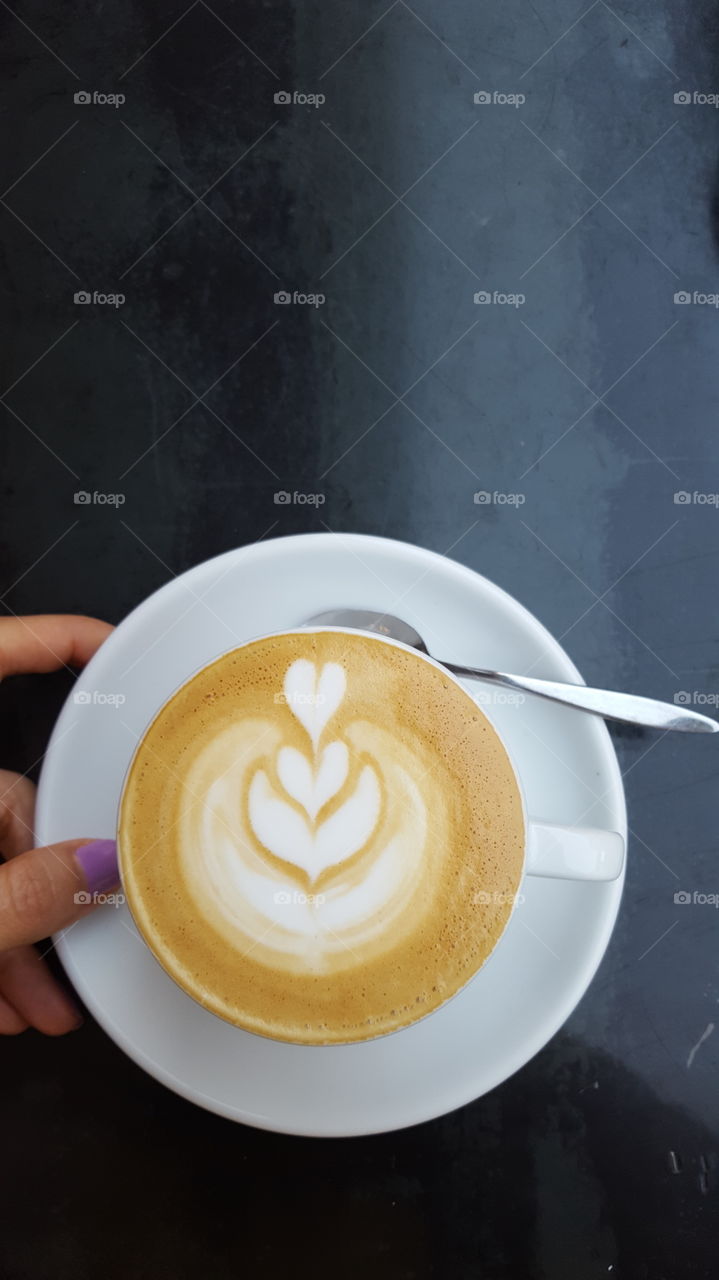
point(98, 861)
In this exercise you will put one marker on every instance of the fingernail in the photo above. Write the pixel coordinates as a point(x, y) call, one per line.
point(98, 862)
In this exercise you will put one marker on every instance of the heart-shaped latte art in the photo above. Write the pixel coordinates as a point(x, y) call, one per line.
point(313, 698)
point(313, 788)
point(288, 834)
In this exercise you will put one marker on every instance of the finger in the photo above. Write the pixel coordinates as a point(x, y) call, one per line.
point(17, 814)
point(46, 641)
point(48, 889)
point(11, 1023)
point(28, 987)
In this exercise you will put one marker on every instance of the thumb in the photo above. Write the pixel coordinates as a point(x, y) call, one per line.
point(48, 889)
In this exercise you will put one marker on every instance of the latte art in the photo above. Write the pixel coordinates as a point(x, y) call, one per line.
point(305, 858)
point(320, 815)
point(299, 838)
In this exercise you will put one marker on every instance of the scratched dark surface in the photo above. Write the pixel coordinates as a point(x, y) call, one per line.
point(199, 397)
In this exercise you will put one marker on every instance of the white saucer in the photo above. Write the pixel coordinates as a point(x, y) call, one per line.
point(556, 937)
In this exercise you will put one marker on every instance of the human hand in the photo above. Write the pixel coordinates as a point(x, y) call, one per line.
point(38, 886)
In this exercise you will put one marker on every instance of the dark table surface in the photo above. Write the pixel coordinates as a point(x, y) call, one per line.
point(198, 396)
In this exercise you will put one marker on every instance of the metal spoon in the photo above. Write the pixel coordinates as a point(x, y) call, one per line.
point(602, 702)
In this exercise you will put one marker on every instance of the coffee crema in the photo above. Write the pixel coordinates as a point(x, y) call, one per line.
point(321, 837)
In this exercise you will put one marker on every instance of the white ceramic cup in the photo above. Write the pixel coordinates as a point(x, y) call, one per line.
point(570, 853)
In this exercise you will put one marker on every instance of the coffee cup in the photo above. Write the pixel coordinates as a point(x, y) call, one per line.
point(322, 836)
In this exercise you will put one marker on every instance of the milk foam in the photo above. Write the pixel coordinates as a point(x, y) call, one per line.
point(320, 837)
point(308, 818)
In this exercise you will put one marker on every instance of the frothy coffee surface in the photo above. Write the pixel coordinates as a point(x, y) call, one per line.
point(321, 837)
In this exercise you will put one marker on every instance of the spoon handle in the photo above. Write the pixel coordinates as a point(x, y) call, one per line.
point(627, 707)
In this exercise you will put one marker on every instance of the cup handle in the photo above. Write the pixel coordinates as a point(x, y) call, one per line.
point(573, 853)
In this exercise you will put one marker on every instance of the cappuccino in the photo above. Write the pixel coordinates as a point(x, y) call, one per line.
point(321, 837)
